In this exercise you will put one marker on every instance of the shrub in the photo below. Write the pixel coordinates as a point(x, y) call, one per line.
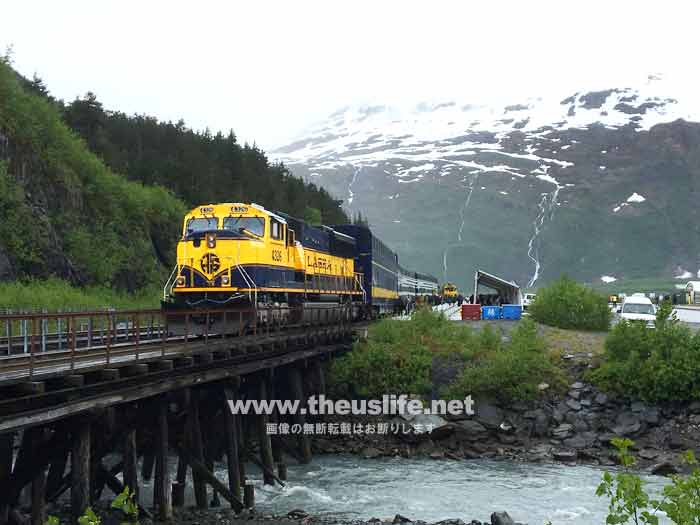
point(508, 372)
point(399, 358)
point(568, 304)
point(631, 503)
point(655, 364)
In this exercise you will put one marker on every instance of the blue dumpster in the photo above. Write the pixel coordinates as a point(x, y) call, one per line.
point(490, 312)
point(512, 311)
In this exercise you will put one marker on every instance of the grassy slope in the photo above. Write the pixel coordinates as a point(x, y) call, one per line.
point(56, 295)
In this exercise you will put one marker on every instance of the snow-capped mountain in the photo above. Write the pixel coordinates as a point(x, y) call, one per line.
point(599, 184)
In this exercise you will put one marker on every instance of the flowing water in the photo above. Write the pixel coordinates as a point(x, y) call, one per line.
point(354, 488)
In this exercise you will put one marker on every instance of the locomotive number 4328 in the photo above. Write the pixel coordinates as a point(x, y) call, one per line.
point(277, 255)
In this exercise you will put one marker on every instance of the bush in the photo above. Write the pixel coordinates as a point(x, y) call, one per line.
point(399, 358)
point(655, 364)
point(396, 359)
point(568, 304)
point(629, 501)
point(510, 372)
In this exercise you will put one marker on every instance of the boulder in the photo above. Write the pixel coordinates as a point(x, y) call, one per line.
point(664, 469)
point(507, 439)
point(563, 431)
point(637, 406)
point(501, 518)
point(575, 394)
point(577, 385)
point(600, 399)
point(442, 432)
point(581, 441)
point(421, 422)
point(580, 425)
point(573, 404)
point(675, 441)
point(558, 415)
point(531, 414)
point(401, 519)
point(650, 416)
point(489, 415)
point(694, 407)
point(576, 442)
point(627, 423)
point(370, 453)
point(541, 425)
point(648, 453)
point(470, 430)
point(297, 514)
point(567, 455)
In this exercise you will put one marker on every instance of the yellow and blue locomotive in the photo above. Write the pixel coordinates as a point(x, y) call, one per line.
point(244, 254)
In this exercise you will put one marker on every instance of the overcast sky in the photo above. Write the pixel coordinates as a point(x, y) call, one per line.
point(269, 69)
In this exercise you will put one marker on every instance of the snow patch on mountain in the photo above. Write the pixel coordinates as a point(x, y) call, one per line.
point(635, 197)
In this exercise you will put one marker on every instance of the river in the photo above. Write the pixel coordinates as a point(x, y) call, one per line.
point(431, 490)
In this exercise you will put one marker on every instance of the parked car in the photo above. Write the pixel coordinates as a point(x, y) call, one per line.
point(638, 307)
point(527, 299)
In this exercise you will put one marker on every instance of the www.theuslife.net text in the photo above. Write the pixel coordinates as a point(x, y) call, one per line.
point(390, 405)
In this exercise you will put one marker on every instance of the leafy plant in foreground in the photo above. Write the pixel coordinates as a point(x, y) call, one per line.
point(127, 504)
point(631, 503)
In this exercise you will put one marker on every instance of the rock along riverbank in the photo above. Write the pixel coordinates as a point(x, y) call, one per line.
point(576, 427)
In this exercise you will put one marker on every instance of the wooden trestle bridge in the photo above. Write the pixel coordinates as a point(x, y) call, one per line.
point(79, 391)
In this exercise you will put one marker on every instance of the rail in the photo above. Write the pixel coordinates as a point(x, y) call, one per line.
point(64, 342)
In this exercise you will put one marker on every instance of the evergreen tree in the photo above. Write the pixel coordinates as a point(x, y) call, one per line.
point(199, 167)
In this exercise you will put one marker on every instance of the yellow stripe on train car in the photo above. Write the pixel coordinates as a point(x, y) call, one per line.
point(383, 293)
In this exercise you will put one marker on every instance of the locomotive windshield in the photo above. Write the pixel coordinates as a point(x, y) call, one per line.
point(201, 225)
point(254, 225)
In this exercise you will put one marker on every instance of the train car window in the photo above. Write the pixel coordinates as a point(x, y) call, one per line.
point(291, 237)
point(275, 229)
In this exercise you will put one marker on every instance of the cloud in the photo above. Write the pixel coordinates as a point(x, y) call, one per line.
point(267, 68)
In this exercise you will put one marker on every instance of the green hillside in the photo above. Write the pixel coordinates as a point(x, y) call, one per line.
point(64, 212)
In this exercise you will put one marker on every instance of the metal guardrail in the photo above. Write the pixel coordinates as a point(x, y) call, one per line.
point(66, 341)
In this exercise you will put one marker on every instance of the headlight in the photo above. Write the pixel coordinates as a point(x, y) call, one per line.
point(225, 280)
point(180, 281)
point(211, 241)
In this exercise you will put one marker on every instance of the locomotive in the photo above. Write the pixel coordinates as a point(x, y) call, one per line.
point(240, 254)
point(450, 293)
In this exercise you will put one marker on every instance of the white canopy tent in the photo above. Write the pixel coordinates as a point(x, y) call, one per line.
point(506, 292)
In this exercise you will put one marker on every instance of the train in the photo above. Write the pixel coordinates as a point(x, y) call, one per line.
point(450, 293)
point(241, 254)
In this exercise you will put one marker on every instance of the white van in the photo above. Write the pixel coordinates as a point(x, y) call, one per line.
point(638, 307)
point(528, 298)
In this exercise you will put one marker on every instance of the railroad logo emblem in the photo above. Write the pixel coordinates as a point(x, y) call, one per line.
point(210, 263)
